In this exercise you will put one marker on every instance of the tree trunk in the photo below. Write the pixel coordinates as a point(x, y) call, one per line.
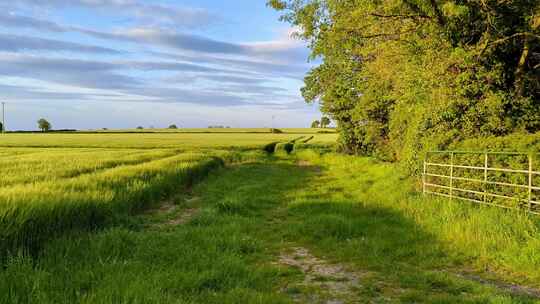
point(520, 70)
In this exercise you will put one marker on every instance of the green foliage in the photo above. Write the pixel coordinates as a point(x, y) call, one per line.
point(315, 124)
point(403, 77)
point(271, 147)
point(511, 143)
point(173, 127)
point(44, 125)
point(325, 122)
point(140, 128)
point(284, 148)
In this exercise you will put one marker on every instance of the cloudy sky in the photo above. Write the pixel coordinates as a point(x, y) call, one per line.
point(122, 63)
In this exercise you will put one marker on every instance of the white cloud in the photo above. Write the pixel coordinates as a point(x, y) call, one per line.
point(167, 63)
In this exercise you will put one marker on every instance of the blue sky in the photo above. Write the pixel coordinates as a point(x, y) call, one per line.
point(122, 63)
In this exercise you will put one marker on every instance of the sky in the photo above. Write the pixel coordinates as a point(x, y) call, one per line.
point(88, 64)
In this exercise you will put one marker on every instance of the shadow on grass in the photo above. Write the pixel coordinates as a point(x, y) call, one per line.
point(404, 261)
point(225, 253)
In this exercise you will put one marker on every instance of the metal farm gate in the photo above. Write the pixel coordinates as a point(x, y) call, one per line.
point(503, 179)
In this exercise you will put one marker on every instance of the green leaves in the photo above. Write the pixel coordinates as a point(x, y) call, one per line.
point(465, 65)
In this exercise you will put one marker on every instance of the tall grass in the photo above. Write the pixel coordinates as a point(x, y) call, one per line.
point(34, 212)
point(53, 164)
point(505, 243)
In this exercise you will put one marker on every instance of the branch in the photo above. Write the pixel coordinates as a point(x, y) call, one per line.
point(524, 34)
point(503, 40)
point(401, 16)
point(387, 34)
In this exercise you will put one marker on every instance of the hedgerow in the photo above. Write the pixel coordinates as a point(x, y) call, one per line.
point(404, 77)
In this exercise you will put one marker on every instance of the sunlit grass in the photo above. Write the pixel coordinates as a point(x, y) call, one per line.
point(503, 243)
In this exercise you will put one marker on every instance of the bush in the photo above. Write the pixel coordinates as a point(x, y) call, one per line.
point(284, 148)
point(271, 147)
point(510, 143)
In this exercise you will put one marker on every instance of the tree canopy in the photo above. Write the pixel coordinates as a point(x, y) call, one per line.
point(44, 125)
point(402, 76)
point(325, 122)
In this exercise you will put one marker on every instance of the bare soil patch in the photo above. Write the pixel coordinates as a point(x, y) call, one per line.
point(183, 217)
point(175, 214)
point(323, 282)
point(306, 164)
point(508, 287)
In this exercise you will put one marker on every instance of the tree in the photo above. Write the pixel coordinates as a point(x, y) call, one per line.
point(173, 127)
point(402, 77)
point(315, 124)
point(140, 128)
point(1, 127)
point(325, 122)
point(44, 125)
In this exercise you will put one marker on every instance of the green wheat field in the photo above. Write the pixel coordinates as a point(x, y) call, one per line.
point(209, 217)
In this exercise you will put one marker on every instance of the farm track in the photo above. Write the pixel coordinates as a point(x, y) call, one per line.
point(277, 230)
point(328, 280)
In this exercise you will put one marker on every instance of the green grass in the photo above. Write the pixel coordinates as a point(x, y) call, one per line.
point(74, 226)
point(93, 179)
point(31, 213)
point(351, 211)
point(219, 257)
point(367, 205)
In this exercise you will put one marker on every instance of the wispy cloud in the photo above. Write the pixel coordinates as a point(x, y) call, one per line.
point(13, 20)
point(157, 53)
point(138, 11)
point(14, 43)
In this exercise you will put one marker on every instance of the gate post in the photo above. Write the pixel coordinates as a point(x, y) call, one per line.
point(452, 175)
point(485, 176)
point(424, 174)
point(530, 183)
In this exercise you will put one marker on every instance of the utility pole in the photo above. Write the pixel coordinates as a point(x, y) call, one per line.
point(3, 118)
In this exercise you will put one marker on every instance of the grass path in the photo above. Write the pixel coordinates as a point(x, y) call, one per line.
point(274, 231)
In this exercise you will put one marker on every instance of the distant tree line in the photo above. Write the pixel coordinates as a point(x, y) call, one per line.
point(323, 123)
point(402, 77)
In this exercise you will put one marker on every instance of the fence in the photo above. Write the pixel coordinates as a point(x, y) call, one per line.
point(489, 178)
